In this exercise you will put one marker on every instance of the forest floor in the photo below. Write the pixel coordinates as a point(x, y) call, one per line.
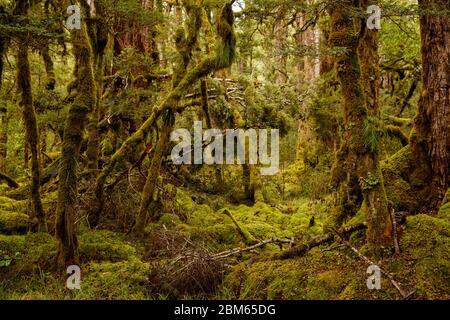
point(185, 254)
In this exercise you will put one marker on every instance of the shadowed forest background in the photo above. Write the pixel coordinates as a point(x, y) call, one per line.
point(86, 176)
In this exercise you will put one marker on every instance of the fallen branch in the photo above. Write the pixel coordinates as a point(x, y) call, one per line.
point(228, 253)
point(247, 236)
point(301, 250)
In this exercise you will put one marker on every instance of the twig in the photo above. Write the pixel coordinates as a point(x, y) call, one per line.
point(394, 231)
point(228, 253)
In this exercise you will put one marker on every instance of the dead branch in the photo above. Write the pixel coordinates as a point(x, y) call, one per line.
point(302, 249)
point(228, 253)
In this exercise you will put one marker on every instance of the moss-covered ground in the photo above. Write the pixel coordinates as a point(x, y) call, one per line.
point(194, 226)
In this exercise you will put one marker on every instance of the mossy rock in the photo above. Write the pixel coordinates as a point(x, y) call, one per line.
point(104, 246)
point(14, 222)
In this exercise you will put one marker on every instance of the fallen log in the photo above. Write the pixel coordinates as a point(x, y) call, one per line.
point(247, 236)
point(10, 181)
point(302, 249)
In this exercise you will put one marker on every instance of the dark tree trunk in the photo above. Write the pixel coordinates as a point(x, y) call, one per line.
point(31, 130)
point(431, 138)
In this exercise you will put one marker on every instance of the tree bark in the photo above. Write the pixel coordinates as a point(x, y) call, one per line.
point(73, 134)
point(29, 117)
point(430, 140)
point(356, 171)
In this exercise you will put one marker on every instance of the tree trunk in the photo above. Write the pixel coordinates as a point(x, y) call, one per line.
point(430, 141)
point(29, 118)
point(356, 171)
point(98, 35)
point(4, 117)
point(73, 133)
point(48, 63)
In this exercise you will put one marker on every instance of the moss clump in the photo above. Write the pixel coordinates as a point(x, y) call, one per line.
point(104, 246)
point(184, 202)
point(315, 276)
point(120, 280)
point(169, 219)
point(14, 222)
point(395, 174)
point(427, 240)
point(8, 204)
point(30, 252)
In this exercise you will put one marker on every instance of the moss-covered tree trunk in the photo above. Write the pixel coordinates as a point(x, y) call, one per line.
point(73, 133)
point(4, 117)
point(430, 140)
point(356, 171)
point(49, 69)
point(4, 121)
point(29, 119)
point(153, 172)
point(98, 34)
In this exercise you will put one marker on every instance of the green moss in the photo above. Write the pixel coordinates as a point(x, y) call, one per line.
point(326, 285)
point(427, 241)
point(104, 246)
point(8, 204)
point(30, 252)
point(14, 222)
point(444, 210)
point(397, 164)
point(120, 280)
point(400, 194)
point(169, 219)
point(184, 202)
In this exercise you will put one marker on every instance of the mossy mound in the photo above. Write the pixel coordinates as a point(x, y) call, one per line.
point(337, 273)
point(121, 280)
point(8, 204)
point(427, 241)
point(14, 222)
point(104, 246)
point(27, 253)
point(317, 276)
